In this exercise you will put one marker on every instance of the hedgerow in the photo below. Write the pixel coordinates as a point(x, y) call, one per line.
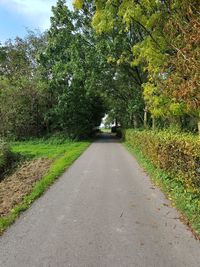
point(178, 154)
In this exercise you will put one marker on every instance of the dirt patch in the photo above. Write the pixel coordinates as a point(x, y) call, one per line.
point(14, 187)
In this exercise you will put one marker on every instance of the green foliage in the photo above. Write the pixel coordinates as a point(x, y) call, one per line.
point(177, 154)
point(6, 157)
point(22, 109)
point(162, 40)
point(139, 60)
point(23, 96)
point(78, 4)
point(69, 67)
point(49, 82)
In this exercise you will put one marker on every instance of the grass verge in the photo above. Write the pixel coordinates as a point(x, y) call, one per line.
point(187, 202)
point(106, 130)
point(63, 156)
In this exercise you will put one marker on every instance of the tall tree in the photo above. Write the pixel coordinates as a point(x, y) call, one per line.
point(159, 28)
point(68, 64)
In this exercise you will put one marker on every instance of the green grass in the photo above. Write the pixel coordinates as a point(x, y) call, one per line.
point(106, 130)
point(63, 155)
point(43, 148)
point(187, 202)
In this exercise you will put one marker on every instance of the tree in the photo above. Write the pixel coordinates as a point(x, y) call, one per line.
point(123, 81)
point(159, 28)
point(23, 95)
point(68, 64)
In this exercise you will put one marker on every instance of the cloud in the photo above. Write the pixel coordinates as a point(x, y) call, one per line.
point(37, 12)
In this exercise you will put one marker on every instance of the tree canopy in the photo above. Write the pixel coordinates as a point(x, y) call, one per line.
point(165, 45)
point(138, 61)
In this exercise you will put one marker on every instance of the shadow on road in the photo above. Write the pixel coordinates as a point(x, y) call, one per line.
point(107, 138)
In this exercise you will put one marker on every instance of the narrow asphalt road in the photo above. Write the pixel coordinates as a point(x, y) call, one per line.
point(103, 211)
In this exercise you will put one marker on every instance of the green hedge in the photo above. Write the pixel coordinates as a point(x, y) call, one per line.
point(178, 154)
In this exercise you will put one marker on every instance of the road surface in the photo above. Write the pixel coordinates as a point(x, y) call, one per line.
point(103, 211)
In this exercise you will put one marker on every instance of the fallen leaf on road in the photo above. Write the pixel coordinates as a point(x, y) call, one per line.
point(166, 205)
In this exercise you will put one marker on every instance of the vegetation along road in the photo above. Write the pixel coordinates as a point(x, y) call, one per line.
point(103, 211)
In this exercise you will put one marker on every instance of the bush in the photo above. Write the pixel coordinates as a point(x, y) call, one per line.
point(113, 129)
point(178, 154)
point(117, 130)
point(6, 157)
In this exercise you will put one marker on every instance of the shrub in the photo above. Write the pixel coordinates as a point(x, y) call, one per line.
point(119, 132)
point(178, 154)
point(6, 157)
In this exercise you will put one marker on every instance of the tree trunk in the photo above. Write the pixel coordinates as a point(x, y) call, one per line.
point(145, 117)
point(135, 121)
point(198, 123)
point(153, 123)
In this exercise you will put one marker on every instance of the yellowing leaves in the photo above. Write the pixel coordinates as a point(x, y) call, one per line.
point(164, 39)
point(176, 108)
point(111, 60)
point(178, 154)
point(78, 3)
point(102, 21)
